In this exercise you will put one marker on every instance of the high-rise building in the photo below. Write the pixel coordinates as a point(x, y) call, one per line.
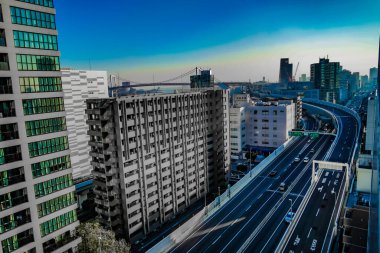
point(79, 85)
point(325, 77)
point(303, 78)
point(355, 83)
point(37, 195)
point(237, 129)
point(204, 80)
point(155, 155)
point(286, 71)
point(364, 81)
point(373, 76)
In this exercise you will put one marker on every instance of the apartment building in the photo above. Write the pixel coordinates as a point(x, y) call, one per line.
point(237, 130)
point(155, 155)
point(268, 123)
point(37, 195)
point(78, 86)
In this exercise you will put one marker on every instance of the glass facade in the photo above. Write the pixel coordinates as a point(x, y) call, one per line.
point(53, 185)
point(28, 62)
point(14, 220)
point(43, 105)
point(12, 176)
point(50, 166)
point(10, 154)
point(11, 199)
point(8, 132)
point(32, 18)
point(49, 146)
point(45, 126)
point(35, 40)
point(46, 3)
point(17, 241)
point(58, 223)
point(56, 204)
point(40, 84)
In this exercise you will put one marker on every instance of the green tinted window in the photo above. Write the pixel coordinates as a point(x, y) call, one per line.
point(46, 3)
point(53, 185)
point(49, 146)
point(56, 204)
point(40, 84)
point(27, 62)
point(32, 18)
point(50, 166)
point(45, 126)
point(35, 40)
point(43, 105)
point(58, 222)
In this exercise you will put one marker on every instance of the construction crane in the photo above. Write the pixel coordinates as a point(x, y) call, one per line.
point(295, 73)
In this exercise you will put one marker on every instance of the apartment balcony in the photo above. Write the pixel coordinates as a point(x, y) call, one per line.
point(113, 182)
point(92, 111)
point(109, 127)
point(100, 192)
point(93, 122)
point(94, 133)
point(95, 144)
point(97, 173)
point(96, 154)
point(106, 116)
point(107, 212)
point(106, 202)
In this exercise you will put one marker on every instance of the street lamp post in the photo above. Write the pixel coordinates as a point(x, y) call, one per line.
point(100, 247)
point(291, 205)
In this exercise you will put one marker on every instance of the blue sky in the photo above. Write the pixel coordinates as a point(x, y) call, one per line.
point(239, 39)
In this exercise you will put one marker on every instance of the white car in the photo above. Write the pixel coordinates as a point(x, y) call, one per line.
point(306, 160)
point(297, 159)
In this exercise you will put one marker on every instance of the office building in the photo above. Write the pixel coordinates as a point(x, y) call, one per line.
point(203, 80)
point(286, 71)
point(155, 155)
point(373, 75)
point(240, 100)
point(303, 78)
point(268, 123)
point(237, 130)
point(325, 77)
point(364, 81)
point(79, 85)
point(37, 195)
point(355, 83)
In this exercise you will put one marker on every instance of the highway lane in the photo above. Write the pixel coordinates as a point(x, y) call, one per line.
point(311, 232)
point(210, 236)
point(270, 234)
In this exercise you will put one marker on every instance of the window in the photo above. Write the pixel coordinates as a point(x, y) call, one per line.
point(46, 3)
point(32, 18)
point(5, 85)
point(12, 176)
point(1, 14)
point(10, 154)
point(40, 84)
point(4, 62)
point(48, 146)
point(53, 185)
point(12, 199)
point(3, 42)
point(28, 62)
point(56, 204)
point(43, 105)
point(8, 132)
point(7, 109)
point(45, 126)
point(17, 241)
point(35, 40)
point(50, 166)
point(58, 223)
point(14, 220)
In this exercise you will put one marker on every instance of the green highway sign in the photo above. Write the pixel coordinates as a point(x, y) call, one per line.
point(303, 133)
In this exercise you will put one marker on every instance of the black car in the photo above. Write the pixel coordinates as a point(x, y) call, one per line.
point(273, 173)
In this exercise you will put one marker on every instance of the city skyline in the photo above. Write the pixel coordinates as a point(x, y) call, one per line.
point(156, 41)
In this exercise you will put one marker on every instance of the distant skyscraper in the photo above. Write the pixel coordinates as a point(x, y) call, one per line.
point(286, 71)
point(37, 196)
point(79, 85)
point(373, 76)
point(355, 83)
point(204, 80)
point(345, 79)
point(364, 81)
point(325, 77)
point(303, 78)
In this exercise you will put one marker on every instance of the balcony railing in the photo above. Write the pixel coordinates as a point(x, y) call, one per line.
point(52, 246)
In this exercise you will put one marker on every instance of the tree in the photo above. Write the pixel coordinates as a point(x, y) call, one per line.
point(92, 231)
